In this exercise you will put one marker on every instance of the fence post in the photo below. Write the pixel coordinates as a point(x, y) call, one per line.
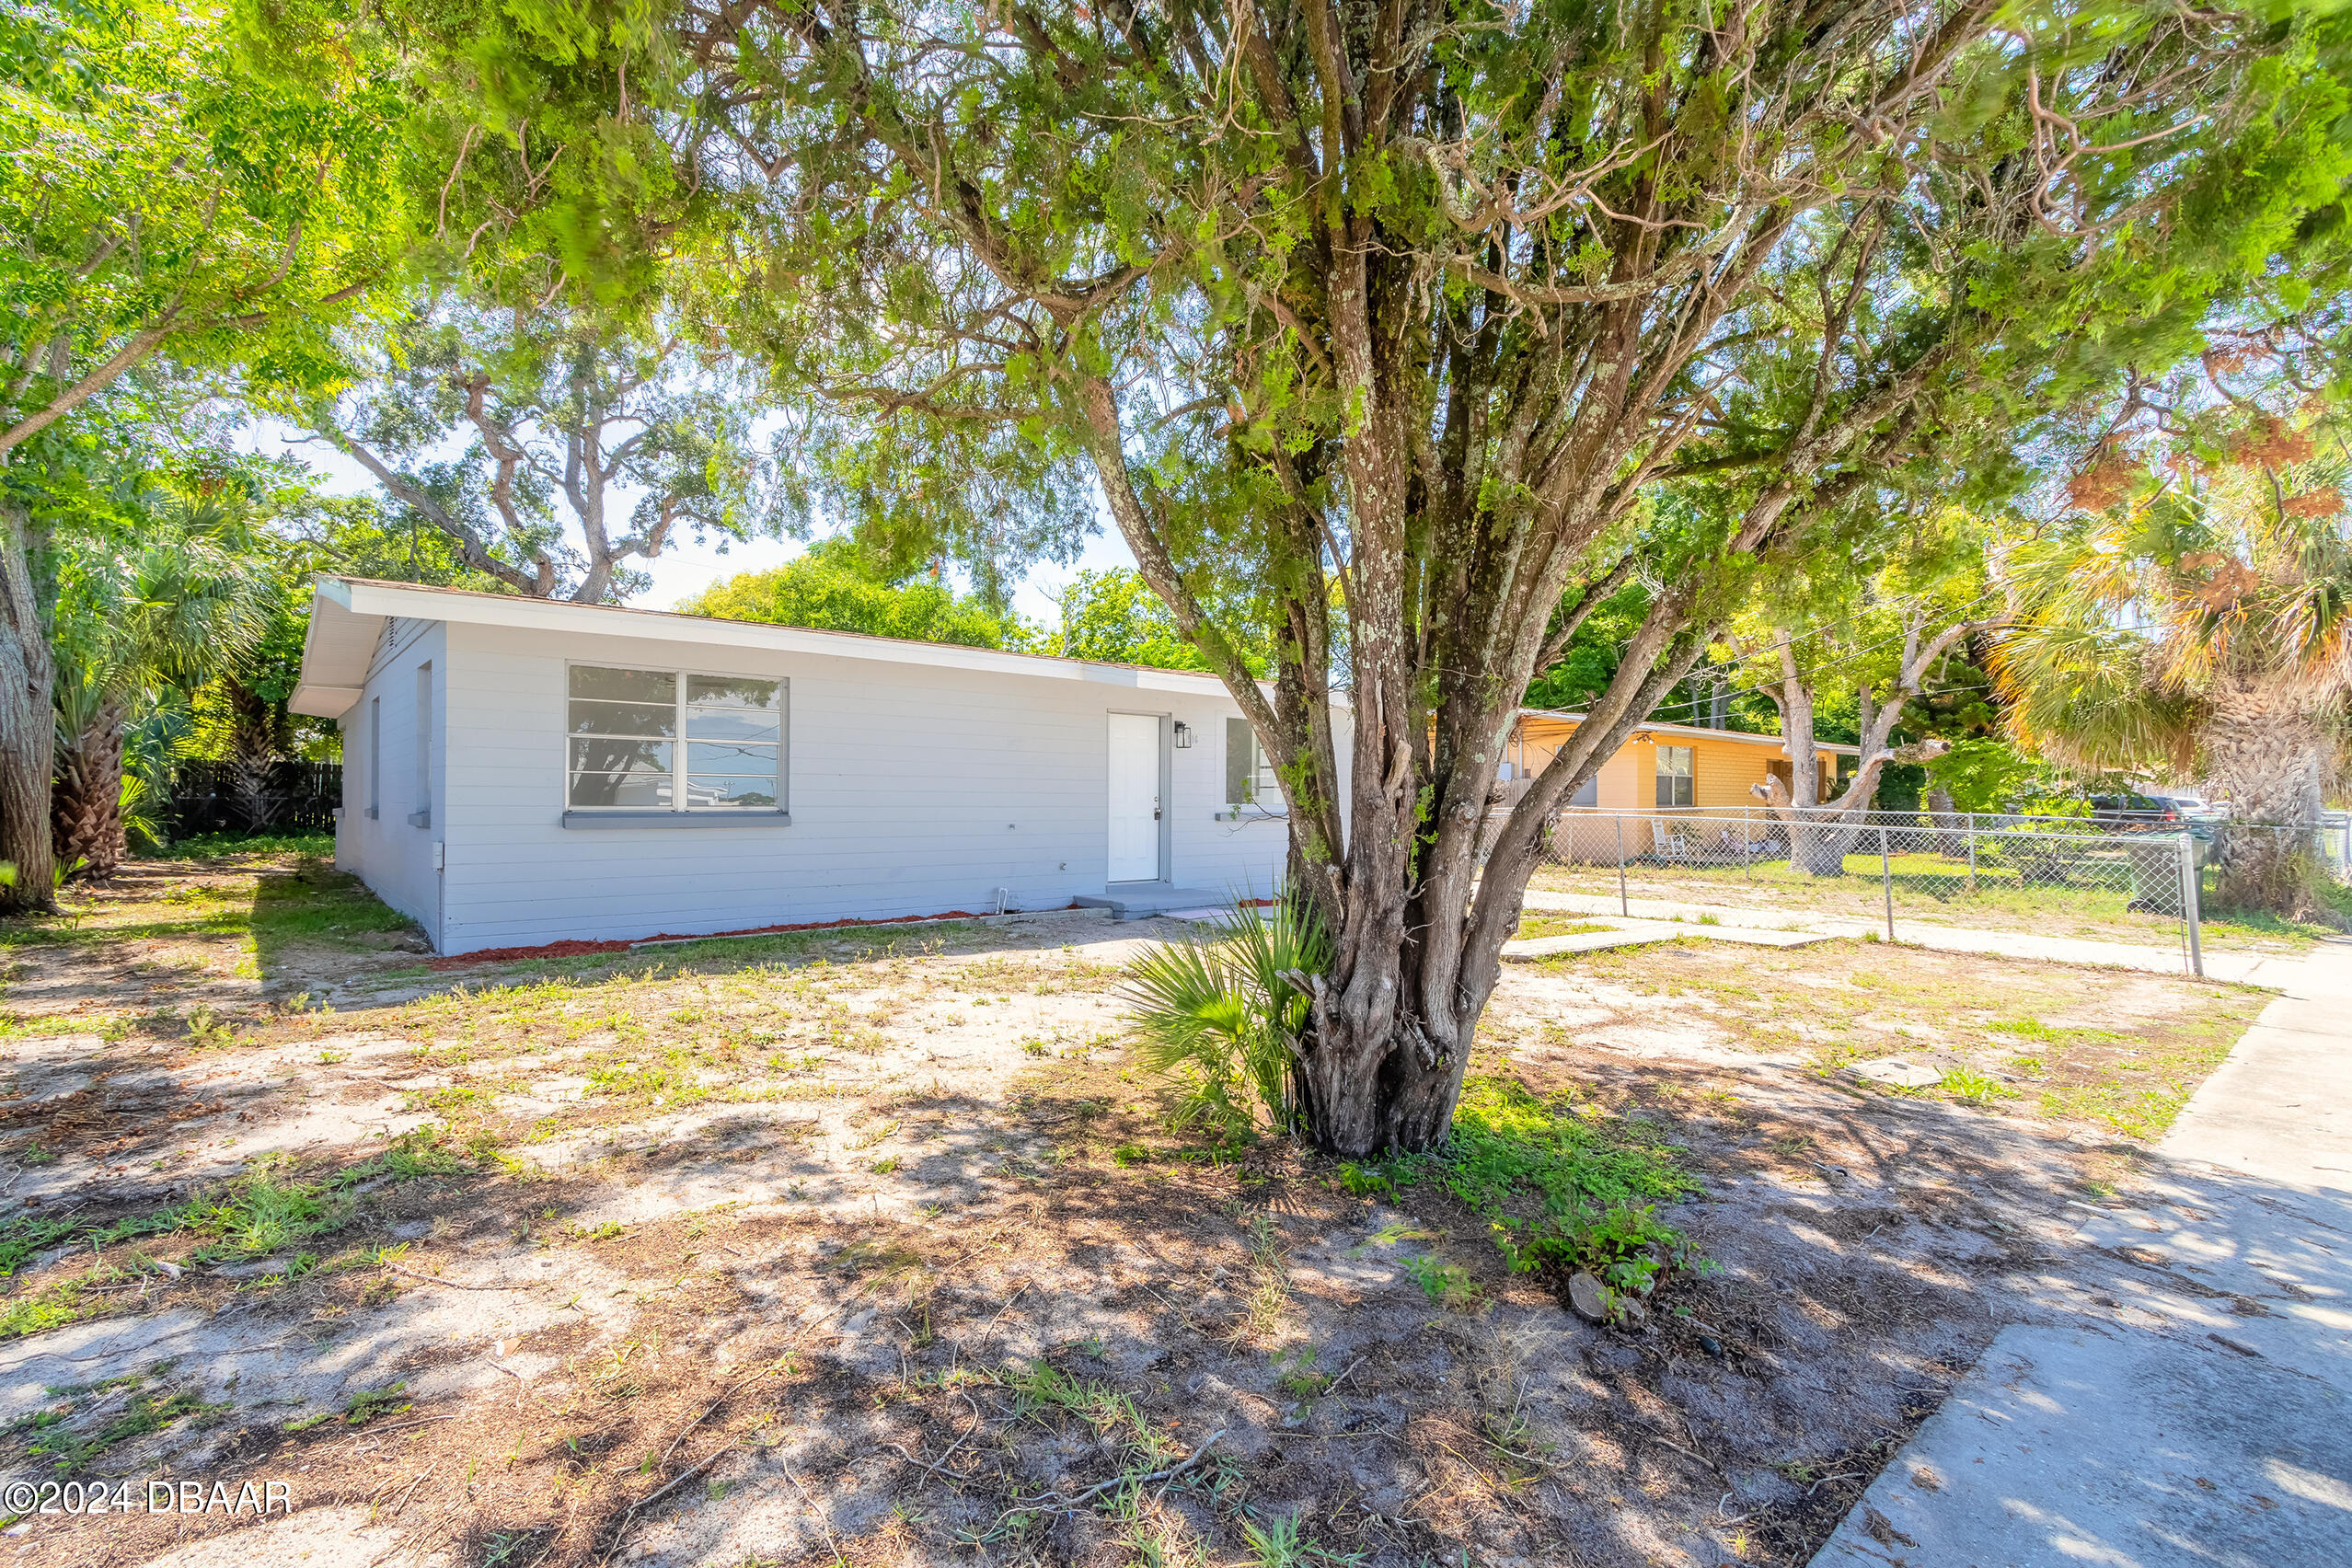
point(1746, 857)
point(1887, 880)
point(1623, 908)
point(2190, 913)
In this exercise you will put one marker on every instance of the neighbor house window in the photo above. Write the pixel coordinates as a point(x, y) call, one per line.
point(1674, 776)
point(672, 741)
point(1249, 774)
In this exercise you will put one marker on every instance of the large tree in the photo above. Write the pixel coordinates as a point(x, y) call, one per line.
point(1408, 307)
point(173, 189)
point(585, 447)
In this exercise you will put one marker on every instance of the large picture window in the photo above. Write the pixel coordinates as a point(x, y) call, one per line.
point(672, 741)
point(1675, 778)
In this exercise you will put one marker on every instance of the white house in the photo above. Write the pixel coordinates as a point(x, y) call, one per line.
point(521, 771)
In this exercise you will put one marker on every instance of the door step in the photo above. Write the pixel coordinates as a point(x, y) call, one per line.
point(1142, 903)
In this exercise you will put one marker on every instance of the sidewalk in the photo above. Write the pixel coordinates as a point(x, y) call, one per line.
point(2210, 1422)
point(2272, 971)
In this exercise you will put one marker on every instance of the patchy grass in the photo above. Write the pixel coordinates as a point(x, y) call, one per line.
point(1929, 887)
point(884, 1234)
point(210, 847)
point(1542, 925)
point(2114, 1048)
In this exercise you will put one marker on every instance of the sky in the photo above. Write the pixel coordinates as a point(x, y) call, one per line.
point(685, 568)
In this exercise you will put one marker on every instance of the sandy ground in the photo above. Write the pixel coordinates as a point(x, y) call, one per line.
point(879, 1250)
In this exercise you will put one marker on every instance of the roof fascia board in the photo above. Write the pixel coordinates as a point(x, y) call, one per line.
point(603, 621)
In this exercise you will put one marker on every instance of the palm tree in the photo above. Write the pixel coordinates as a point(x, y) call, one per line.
point(2194, 621)
point(172, 610)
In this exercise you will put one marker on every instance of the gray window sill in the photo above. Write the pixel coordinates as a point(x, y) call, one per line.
point(1251, 813)
point(615, 820)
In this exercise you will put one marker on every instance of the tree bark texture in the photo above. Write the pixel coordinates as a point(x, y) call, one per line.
point(27, 730)
point(86, 801)
point(2271, 755)
point(258, 737)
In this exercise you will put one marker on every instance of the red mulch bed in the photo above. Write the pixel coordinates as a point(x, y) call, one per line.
point(578, 949)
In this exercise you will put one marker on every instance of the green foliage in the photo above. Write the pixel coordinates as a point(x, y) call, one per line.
point(1448, 1285)
point(1509, 1144)
point(1975, 1087)
point(165, 605)
point(1987, 774)
point(255, 1215)
point(1222, 1016)
point(148, 1413)
point(1284, 1542)
point(171, 189)
point(836, 587)
point(1558, 1187)
point(1114, 616)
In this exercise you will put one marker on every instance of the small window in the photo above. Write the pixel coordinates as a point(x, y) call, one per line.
point(1249, 774)
point(424, 744)
point(1673, 777)
point(664, 740)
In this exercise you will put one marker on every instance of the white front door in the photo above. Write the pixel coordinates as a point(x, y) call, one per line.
point(1135, 798)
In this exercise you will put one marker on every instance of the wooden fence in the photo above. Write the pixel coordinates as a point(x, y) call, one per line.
point(300, 797)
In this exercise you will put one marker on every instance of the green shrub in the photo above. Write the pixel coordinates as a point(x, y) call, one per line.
point(1222, 1018)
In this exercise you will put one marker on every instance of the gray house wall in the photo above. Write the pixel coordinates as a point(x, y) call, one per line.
point(911, 789)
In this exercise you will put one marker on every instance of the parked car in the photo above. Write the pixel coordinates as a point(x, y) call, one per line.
point(2144, 811)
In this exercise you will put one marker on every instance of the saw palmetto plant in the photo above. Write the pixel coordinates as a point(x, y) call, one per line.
point(172, 608)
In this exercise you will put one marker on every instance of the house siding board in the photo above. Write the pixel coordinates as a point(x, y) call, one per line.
point(912, 790)
point(389, 854)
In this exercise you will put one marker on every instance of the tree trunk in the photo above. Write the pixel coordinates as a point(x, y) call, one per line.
point(1384, 1055)
point(1815, 848)
point(2269, 755)
point(1945, 818)
point(85, 800)
point(257, 740)
point(28, 728)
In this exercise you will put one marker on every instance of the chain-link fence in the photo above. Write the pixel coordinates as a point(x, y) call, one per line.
point(2051, 876)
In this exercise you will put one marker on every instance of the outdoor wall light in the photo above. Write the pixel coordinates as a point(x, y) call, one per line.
point(1183, 736)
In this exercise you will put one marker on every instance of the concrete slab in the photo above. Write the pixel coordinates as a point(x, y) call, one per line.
point(1143, 900)
point(2209, 1424)
point(2123, 1450)
point(1896, 1071)
point(1633, 933)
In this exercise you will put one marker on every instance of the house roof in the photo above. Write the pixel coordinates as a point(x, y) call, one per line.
point(347, 616)
point(1695, 732)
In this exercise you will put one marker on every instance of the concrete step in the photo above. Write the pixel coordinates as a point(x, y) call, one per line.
point(1145, 900)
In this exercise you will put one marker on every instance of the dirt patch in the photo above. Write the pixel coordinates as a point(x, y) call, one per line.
point(876, 1246)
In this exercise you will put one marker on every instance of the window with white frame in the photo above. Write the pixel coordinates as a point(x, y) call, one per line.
point(672, 741)
point(1249, 773)
point(1675, 777)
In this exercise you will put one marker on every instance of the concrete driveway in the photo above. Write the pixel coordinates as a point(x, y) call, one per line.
point(2210, 1423)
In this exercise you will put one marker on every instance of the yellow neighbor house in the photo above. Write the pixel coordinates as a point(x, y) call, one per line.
point(1662, 770)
